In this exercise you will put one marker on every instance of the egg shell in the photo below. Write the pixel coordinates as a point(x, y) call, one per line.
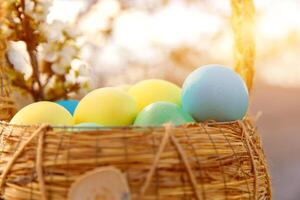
point(43, 112)
point(159, 113)
point(70, 105)
point(106, 106)
point(149, 91)
point(215, 92)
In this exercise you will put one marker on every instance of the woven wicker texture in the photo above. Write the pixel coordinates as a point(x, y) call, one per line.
point(205, 161)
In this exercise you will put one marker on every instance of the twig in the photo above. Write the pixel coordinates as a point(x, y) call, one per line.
point(36, 72)
point(31, 48)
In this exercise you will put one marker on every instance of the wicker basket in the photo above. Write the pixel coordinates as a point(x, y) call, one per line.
point(205, 161)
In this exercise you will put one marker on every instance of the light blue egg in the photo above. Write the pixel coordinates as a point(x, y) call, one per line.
point(70, 105)
point(215, 92)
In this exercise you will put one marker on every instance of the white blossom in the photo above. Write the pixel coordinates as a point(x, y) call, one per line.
point(64, 63)
point(38, 9)
point(29, 6)
point(51, 56)
point(43, 6)
point(57, 47)
point(53, 32)
point(68, 51)
point(58, 69)
point(71, 77)
point(81, 67)
point(83, 79)
point(19, 58)
point(72, 32)
point(60, 47)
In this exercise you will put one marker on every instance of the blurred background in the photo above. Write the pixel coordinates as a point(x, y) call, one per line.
point(123, 41)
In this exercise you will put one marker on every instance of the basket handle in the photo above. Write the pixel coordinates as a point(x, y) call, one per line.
point(242, 19)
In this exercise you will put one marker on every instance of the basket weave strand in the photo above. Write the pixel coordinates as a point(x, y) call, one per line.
point(17, 154)
point(250, 144)
point(39, 162)
point(168, 135)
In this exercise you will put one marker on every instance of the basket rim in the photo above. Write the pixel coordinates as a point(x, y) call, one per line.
point(131, 127)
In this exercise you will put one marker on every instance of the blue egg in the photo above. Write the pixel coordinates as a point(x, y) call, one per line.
point(70, 105)
point(215, 92)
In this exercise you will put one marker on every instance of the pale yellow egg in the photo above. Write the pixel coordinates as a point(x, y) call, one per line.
point(106, 106)
point(149, 91)
point(43, 112)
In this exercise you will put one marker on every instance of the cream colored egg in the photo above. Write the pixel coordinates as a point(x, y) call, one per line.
point(150, 91)
point(43, 112)
point(106, 106)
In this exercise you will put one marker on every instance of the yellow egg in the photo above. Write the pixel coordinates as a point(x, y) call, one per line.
point(149, 91)
point(124, 87)
point(106, 106)
point(43, 112)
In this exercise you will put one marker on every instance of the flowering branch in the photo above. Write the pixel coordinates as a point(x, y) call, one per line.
point(54, 69)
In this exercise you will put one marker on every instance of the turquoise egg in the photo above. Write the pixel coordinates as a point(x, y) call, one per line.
point(159, 113)
point(215, 92)
point(70, 105)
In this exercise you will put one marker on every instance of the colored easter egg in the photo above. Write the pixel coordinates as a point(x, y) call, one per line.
point(43, 112)
point(149, 91)
point(70, 105)
point(159, 113)
point(106, 106)
point(215, 92)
